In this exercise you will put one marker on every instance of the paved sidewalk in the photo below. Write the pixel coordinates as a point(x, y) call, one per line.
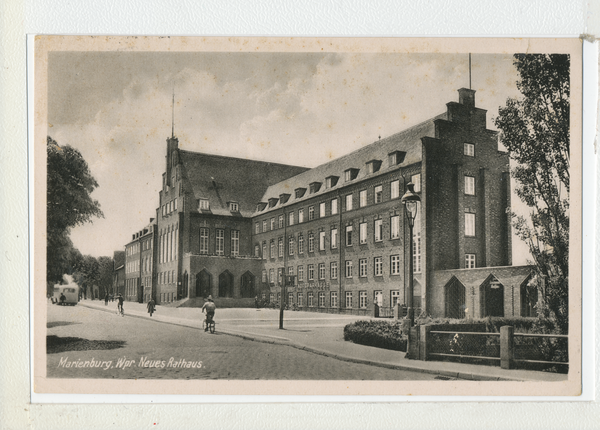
point(319, 333)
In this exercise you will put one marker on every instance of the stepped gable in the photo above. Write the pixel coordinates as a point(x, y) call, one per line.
point(407, 141)
point(227, 179)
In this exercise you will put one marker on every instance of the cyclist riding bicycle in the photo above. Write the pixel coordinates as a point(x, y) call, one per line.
point(210, 308)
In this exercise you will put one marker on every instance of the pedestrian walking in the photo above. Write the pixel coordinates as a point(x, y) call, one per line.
point(106, 300)
point(151, 306)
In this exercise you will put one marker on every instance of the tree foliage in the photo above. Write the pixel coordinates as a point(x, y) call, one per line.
point(69, 204)
point(535, 130)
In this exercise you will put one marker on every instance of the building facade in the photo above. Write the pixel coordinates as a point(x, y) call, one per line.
point(139, 265)
point(236, 228)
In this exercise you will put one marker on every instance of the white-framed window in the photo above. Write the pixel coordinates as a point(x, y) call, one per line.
point(362, 200)
point(362, 268)
point(348, 235)
point(311, 242)
point(311, 297)
point(378, 193)
point(256, 251)
point(203, 241)
point(272, 248)
point(378, 266)
point(290, 298)
point(233, 206)
point(311, 272)
point(235, 243)
point(264, 250)
point(175, 203)
point(220, 242)
point(300, 273)
point(394, 264)
point(291, 218)
point(362, 232)
point(280, 221)
point(321, 271)
point(280, 247)
point(291, 245)
point(469, 149)
point(321, 299)
point(348, 268)
point(349, 202)
point(416, 180)
point(469, 261)
point(395, 189)
point(333, 270)
point(469, 224)
point(264, 276)
point(321, 241)
point(348, 175)
point(300, 216)
point(264, 226)
point(256, 228)
point(394, 297)
point(349, 299)
point(164, 209)
point(470, 185)
point(300, 299)
point(334, 238)
point(333, 299)
point(378, 230)
point(334, 206)
point(272, 222)
point(394, 227)
point(300, 243)
point(322, 210)
point(279, 279)
point(362, 299)
point(204, 204)
point(416, 251)
point(311, 213)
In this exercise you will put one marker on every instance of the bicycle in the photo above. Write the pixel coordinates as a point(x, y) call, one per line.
point(120, 311)
point(211, 325)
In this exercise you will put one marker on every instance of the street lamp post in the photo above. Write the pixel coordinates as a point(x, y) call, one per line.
point(410, 200)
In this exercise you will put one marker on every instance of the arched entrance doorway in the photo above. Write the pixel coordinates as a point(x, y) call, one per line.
point(529, 298)
point(247, 288)
point(226, 284)
point(456, 302)
point(491, 298)
point(203, 284)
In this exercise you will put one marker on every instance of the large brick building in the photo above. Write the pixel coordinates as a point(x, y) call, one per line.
point(234, 228)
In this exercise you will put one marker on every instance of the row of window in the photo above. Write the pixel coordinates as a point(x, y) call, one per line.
point(168, 244)
point(333, 299)
point(220, 241)
point(132, 266)
point(204, 205)
point(169, 208)
point(269, 225)
point(167, 277)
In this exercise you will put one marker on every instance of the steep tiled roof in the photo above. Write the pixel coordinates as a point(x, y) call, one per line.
point(407, 141)
point(236, 179)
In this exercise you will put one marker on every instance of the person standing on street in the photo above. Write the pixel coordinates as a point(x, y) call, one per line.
point(120, 304)
point(151, 306)
point(209, 307)
point(106, 300)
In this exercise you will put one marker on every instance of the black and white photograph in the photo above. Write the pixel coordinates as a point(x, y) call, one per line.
point(350, 216)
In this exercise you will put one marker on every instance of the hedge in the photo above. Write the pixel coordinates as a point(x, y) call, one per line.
point(381, 334)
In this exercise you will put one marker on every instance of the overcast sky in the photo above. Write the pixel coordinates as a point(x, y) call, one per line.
point(302, 109)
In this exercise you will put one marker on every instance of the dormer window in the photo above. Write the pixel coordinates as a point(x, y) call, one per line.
point(350, 174)
point(299, 192)
point(283, 198)
point(273, 201)
point(396, 157)
point(373, 166)
point(234, 207)
point(261, 206)
point(314, 187)
point(204, 205)
point(331, 181)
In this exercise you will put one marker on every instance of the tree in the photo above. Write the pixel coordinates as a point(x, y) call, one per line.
point(105, 276)
point(535, 130)
point(69, 204)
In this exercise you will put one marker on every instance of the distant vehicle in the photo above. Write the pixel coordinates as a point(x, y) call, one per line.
point(71, 293)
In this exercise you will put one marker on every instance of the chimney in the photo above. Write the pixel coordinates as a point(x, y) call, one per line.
point(466, 97)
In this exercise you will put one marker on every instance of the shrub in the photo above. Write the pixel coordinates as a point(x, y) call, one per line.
point(381, 334)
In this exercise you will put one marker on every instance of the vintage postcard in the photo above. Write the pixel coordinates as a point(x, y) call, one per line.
point(307, 216)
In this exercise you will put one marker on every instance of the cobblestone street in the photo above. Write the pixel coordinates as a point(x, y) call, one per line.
point(128, 343)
